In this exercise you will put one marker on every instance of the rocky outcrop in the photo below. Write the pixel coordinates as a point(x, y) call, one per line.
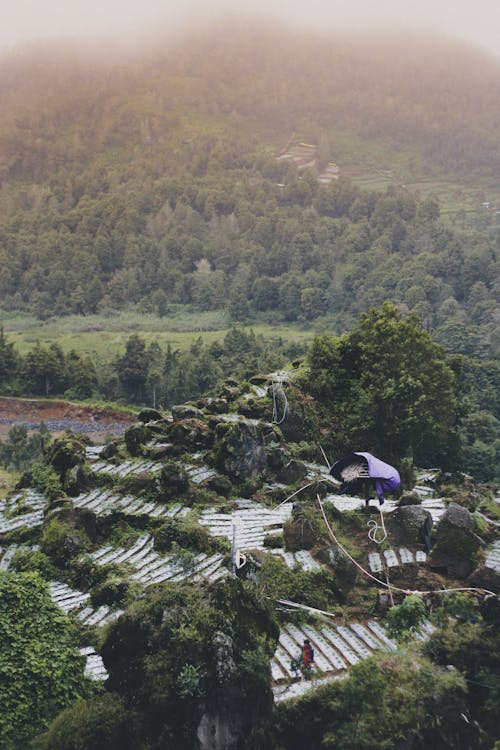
point(149, 415)
point(186, 411)
point(456, 544)
point(134, 438)
point(239, 450)
point(411, 525)
point(173, 481)
point(409, 498)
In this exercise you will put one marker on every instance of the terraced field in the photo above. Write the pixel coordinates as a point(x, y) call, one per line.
point(133, 493)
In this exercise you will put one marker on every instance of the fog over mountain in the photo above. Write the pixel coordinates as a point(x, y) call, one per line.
point(475, 21)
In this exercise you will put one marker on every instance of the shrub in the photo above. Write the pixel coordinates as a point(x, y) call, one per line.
point(41, 670)
point(404, 620)
point(96, 724)
point(45, 480)
point(62, 542)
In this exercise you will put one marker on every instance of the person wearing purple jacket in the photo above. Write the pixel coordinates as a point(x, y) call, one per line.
point(365, 466)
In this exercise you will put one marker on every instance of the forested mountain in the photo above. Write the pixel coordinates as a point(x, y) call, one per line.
point(154, 180)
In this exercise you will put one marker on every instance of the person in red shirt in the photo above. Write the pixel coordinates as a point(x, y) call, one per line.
point(307, 660)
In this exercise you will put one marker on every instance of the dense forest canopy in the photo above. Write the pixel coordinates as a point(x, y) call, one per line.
point(155, 180)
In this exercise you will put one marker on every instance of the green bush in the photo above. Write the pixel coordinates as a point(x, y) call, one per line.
point(46, 480)
point(41, 670)
point(277, 581)
point(96, 724)
point(404, 620)
point(185, 533)
point(61, 542)
point(388, 701)
point(34, 561)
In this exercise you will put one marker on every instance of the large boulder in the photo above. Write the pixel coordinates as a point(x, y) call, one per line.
point(214, 405)
point(173, 481)
point(135, 437)
point(190, 435)
point(239, 450)
point(486, 577)
point(457, 544)
point(186, 411)
point(293, 471)
point(411, 524)
point(65, 453)
point(149, 415)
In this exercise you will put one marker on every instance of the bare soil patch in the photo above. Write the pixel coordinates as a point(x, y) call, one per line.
point(62, 415)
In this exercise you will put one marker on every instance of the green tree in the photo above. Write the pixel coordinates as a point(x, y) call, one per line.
point(132, 368)
point(41, 670)
point(43, 371)
point(386, 702)
point(8, 360)
point(404, 620)
point(389, 386)
point(81, 375)
point(21, 450)
point(179, 653)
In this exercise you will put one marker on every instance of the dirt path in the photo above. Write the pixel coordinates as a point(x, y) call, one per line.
point(62, 415)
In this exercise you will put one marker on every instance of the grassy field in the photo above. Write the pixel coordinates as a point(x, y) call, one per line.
point(105, 337)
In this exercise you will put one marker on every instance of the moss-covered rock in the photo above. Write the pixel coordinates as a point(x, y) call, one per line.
point(173, 481)
point(185, 533)
point(255, 408)
point(292, 472)
point(110, 450)
point(411, 524)
point(486, 578)
point(149, 415)
point(214, 405)
point(239, 450)
point(158, 451)
point(135, 437)
point(183, 653)
point(186, 411)
point(191, 435)
point(409, 498)
point(220, 485)
point(113, 592)
point(62, 541)
point(456, 543)
point(65, 453)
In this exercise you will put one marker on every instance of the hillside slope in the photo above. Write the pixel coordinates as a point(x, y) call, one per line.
point(183, 552)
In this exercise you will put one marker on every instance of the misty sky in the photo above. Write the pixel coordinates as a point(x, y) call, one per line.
point(477, 21)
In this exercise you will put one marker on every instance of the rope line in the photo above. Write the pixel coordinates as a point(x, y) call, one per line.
point(375, 528)
point(383, 583)
point(277, 389)
point(289, 603)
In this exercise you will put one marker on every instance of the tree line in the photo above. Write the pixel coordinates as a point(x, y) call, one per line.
point(144, 374)
point(386, 385)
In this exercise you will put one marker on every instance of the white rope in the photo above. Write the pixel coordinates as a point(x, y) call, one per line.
point(383, 583)
point(375, 528)
point(317, 480)
point(315, 611)
point(327, 462)
point(277, 390)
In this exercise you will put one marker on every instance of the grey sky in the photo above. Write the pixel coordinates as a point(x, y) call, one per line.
point(477, 21)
